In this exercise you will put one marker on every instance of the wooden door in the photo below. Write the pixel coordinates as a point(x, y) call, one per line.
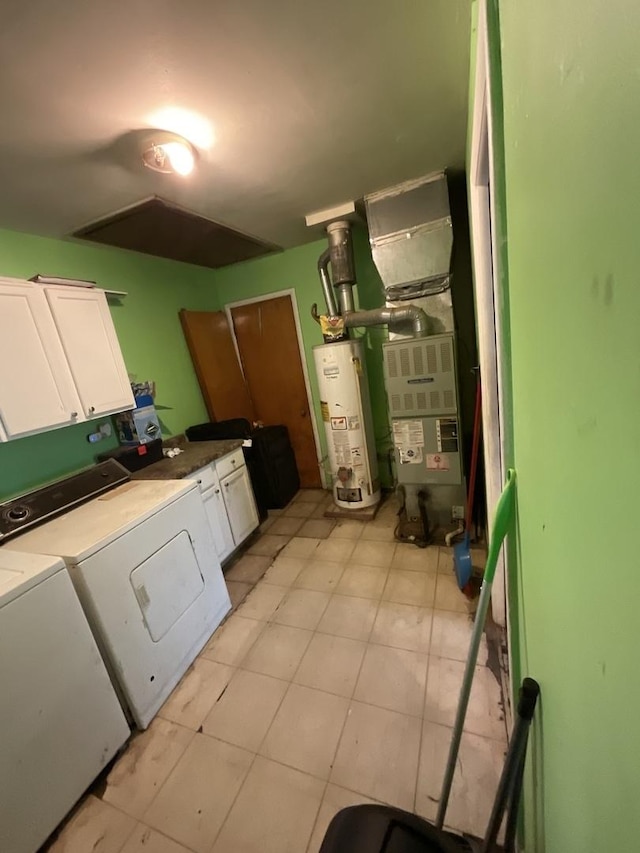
point(268, 344)
point(216, 364)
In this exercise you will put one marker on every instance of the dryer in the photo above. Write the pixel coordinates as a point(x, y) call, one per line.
point(143, 563)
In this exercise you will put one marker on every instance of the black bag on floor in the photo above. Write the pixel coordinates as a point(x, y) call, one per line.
point(270, 459)
point(275, 458)
point(383, 829)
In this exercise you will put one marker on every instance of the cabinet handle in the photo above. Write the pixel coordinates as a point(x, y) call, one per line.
point(92, 409)
point(198, 482)
point(74, 414)
point(226, 485)
point(216, 491)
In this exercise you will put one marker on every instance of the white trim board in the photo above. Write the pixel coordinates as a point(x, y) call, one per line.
point(485, 259)
point(290, 292)
point(486, 277)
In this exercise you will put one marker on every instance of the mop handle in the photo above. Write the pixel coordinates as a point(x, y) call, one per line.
point(501, 523)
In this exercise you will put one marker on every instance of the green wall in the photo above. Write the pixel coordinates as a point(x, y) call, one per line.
point(296, 269)
point(571, 91)
point(149, 332)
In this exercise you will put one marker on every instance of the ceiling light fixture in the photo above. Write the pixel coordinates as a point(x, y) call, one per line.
point(168, 153)
point(191, 125)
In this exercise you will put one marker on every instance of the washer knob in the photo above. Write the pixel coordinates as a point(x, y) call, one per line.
point(18, 513)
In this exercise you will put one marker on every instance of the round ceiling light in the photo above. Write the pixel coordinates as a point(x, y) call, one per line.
point(169, 154)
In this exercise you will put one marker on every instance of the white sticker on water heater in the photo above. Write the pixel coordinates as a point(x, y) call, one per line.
point(356, 457)
point(331, 373)
point(342, 448)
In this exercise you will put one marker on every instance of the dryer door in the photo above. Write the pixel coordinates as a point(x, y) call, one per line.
point(167, 584)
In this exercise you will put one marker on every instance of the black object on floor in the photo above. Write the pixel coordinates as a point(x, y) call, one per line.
point(384, 829)
point(270, 460)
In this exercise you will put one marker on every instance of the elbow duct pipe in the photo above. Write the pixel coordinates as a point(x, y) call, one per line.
point(390, 316)
point(340, 254)
point(327, 290)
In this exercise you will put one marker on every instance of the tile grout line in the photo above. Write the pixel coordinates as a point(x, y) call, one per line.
point(344, 722)
point(349, 699)
point(424, 697)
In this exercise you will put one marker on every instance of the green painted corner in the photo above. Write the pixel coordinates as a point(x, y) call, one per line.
point(565, 88)
point(149, 332)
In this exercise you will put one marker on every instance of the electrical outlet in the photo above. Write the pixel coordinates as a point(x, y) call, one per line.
point(457, 512)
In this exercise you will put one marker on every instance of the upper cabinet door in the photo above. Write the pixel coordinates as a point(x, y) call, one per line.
point(36, 388)
point(90, 343)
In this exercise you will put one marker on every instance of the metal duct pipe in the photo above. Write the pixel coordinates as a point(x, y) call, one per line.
point(329, 298)
point(343, 268)
point(345, 298)
point(390, 316)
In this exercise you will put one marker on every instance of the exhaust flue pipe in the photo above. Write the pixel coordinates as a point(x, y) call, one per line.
point(327, 290)
point(391, 317)
point(343, 268)
point(345, 298)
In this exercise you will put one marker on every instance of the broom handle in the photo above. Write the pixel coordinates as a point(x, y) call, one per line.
point(504, 512)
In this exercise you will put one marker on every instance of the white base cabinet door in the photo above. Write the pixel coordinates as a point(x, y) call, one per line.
point(240, 504)
point(90, 343)
point(218, 521)
point(36, 386)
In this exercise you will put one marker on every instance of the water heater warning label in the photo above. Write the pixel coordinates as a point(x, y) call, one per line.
point(338, 423)
point(324, 408)
point(342, 448)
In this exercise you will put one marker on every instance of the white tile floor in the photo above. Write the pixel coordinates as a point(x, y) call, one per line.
point(334, 682)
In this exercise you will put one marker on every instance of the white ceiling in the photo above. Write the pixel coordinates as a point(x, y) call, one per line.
point(312, 103)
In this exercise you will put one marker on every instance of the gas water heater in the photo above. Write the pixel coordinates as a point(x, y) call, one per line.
point(346, 412)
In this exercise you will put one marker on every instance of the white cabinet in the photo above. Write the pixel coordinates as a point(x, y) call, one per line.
point(218, 520)
point(37, 391)
point(240, 504)
point(60, 361)
point(89, 340)
point(228, 501)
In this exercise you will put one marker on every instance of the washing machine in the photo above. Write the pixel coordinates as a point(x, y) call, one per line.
point(144, 566)
point(60, 719)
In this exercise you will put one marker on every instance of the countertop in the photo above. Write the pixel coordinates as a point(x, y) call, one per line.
point(196, 455)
